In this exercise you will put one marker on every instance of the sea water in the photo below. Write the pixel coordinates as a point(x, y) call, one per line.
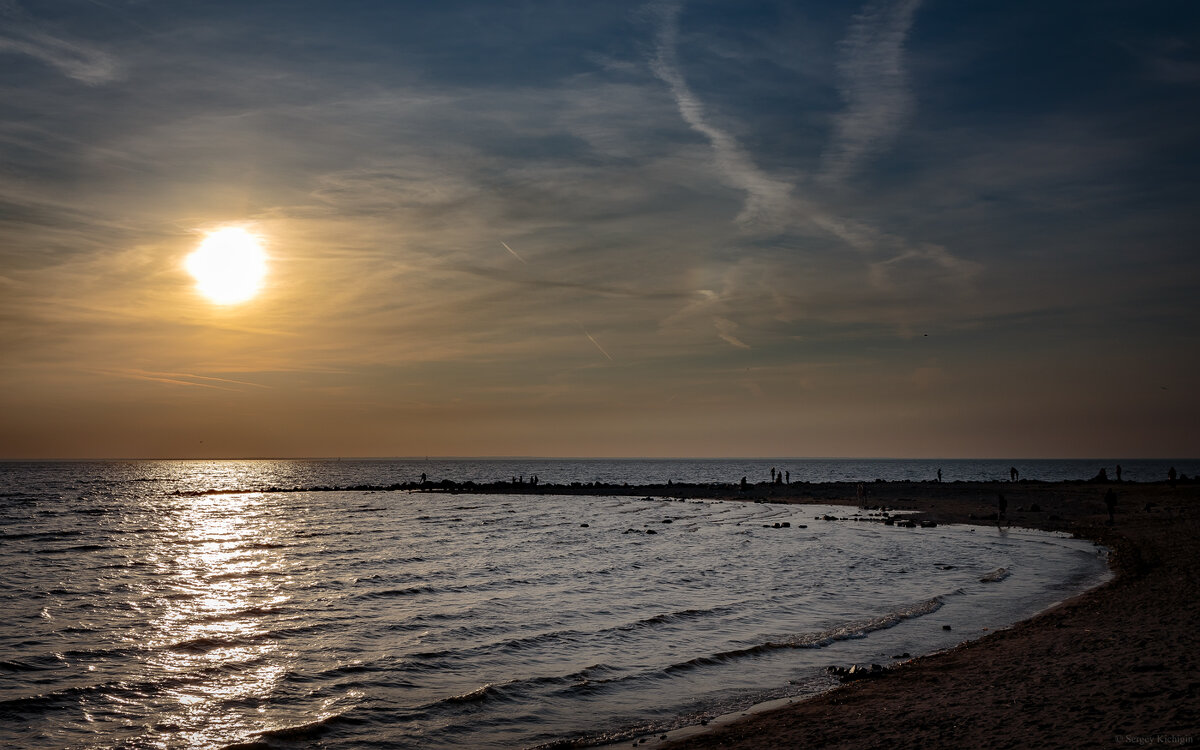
point(139, 614)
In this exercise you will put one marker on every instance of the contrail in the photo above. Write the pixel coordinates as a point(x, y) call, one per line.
point(597, 343)
point(514, 252)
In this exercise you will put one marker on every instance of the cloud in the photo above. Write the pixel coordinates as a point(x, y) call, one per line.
point(181, 378)
point(874, 86)
point(725, 331)
point(597, 343)
point(766, 198)
point(73, 59)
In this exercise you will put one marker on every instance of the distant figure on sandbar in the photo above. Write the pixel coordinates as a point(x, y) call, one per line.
point(1171, 475)
point(743, 483)
point(939, 475)
point(422, 477)
point(1118, 472)
point(1102, 476)
point(1002, 505)
point(1013, 473)
point(772, 475)
point(1110, 502)
point(789, 476)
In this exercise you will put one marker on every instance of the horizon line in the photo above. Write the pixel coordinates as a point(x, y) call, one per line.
point(49, 459)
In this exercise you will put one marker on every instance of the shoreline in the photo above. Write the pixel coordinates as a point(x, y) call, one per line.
point(1113, 666)
point(1116, 665)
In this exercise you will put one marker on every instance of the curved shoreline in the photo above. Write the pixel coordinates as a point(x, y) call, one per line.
point(1116, 665)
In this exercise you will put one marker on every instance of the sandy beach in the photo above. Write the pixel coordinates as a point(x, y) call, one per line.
point(1116, 666)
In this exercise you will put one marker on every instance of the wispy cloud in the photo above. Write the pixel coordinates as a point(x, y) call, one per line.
point(182, 378)
point(514, 252)
point(766, 197)
point(873, 84)
point(725, 331)
point(76, 60)
point(592, 339)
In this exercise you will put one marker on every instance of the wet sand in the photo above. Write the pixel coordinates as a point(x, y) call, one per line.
point(1117, 666)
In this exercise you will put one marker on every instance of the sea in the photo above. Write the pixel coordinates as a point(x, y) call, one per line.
point(265, 604)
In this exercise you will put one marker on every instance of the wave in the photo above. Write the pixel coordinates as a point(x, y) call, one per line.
point(69, 550)
point(266, 545)
point(564, 636)
point(999, 574)
point(46, 536)
point(121, 691)
point(239, 574)
point(670, 618)
point(204, 644)
point(594, 679)
point(307, 731)
point(391, 593)
point(513, 690)
point(257, 611)
point(820, 639)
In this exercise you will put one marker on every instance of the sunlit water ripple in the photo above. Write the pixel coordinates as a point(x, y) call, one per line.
point(138, 618)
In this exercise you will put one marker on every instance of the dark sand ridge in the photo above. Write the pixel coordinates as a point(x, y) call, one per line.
point(1116, 666)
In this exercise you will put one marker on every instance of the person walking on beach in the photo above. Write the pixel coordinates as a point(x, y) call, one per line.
point(1110, 502)
point(939, 476)
point(1118, 472)
point(1013, 473)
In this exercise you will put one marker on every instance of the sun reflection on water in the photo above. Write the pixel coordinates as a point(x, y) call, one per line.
point(214, 658)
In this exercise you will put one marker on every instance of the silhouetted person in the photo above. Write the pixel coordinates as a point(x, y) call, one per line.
point(1002, 505)
point(789, 476)
point(743, 483)
point(1171, 475)
point(772, 474)
point(1102, 476)
point(939, 475)
point(1110, 502)
point(1013, 473)
point(1118, 472)
point(422, 477)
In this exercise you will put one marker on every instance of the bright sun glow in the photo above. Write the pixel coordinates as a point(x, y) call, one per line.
point(229, 265)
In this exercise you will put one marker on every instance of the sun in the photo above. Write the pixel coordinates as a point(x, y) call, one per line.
point(229, 266)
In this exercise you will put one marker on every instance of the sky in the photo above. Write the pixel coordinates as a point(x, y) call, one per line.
point(902, 228)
